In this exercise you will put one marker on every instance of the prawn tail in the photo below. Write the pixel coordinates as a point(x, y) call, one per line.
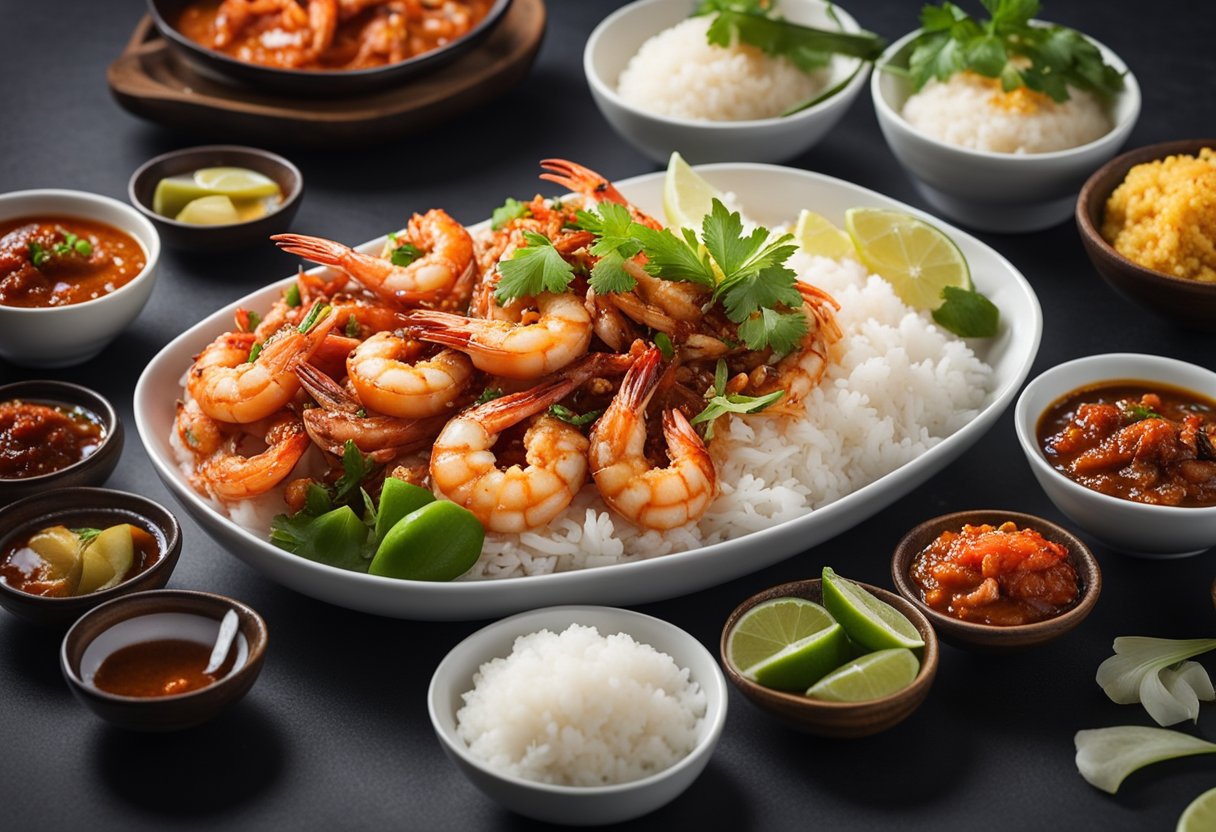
point(641, 380)
point(313, 249)
point(324, 390)
point(446, 328)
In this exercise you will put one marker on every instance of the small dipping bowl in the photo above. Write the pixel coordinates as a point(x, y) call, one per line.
point(95, 468)
point(217, 238)
point(1182, 300)
point(152, 616)
point(835, 719)
point(86, 507)
point(576, 805)
point(61, 336)
point(1139, 529)
point(972, 635)
point(1002, 192)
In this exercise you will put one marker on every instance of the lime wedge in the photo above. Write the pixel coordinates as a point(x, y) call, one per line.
point(874, 624)
point(239, 183)
point(687, 198)
point(785, 642)
point(174, 193)
point(210, 210)
point(872, 676)
point(1200, 815)
point(816, 235)
point(917, 259)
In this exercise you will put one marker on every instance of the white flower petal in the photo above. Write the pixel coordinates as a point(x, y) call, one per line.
point(1162, 704)
point(1106, 756)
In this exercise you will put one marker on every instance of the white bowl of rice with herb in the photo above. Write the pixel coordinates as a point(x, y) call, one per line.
point(664, 87)
point(1005, 160)
point(579, 715)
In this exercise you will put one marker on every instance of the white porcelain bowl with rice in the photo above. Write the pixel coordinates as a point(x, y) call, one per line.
point(994, 170)
point(607, 708)
point(717, 105)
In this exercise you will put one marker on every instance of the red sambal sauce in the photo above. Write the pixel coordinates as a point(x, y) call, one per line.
point(159, 668)
point(995, 575)
point(56, 261)
point(1135, 440)
point(41, 438)
point(24, 569)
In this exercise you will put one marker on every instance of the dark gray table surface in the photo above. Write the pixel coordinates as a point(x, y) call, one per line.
point(335, 734)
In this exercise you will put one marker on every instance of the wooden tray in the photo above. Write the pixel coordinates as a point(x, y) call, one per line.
point(151, 81)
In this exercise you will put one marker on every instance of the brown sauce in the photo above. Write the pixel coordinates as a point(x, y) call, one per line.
point(159, 668)
point(24, 569)
point(56, 261)
point(1135, 440)
point(38, 439)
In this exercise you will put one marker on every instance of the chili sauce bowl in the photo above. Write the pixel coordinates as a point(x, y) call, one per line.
point(86, 507)
point(141, 190)
point(576, 805)
point(1140, 529)
point(621, 34)
point(61, 336)
point(988, 637)
point(834, 719)
point(1002, 192)
point(167, 614)
point(93, 469)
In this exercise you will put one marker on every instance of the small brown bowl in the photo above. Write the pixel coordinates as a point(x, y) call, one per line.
point(217, 238)
point(142, 617)
point(1188, 302)
point(95, 468)
point(86, 507)
point(835, 719)
point(991, 638)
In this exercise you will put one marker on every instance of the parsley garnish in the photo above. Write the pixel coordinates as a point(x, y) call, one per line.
point(535, 268)
point(615, 244)
point(489, 395)
point(1046, 59)
point(512, 209)
point(404, 254)
point(86, 534)
point(967, 313)
point(1139, 412)
point(571, 418)
point(722, 403)
point(355, 468)
point(38, 255)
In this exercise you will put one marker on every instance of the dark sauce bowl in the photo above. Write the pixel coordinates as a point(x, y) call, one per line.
point(992, 638)
point(95, 468)
point(86, 507)
point(162, 713)
point(299, 82)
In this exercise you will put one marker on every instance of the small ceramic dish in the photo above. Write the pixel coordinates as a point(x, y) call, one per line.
point(621, 34)
point(95, 468)
point(987, 637)
point(86, 507)
point(305, 83)
point(1184, 301)
point(576, 805)
point(217, 238)
point(167, 614)
point(1140, 529)
point(835, 719)
point(1003, 192)
point(60, 336)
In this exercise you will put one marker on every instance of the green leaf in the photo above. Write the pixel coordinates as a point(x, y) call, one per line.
point(38, 254)
point(780, 330)
point(806, 47)
point(405, 254)
point(315, 315)
point(489, 395)
point(666, 348)
point(673, 258)
point(532, 269)
point(770, 287)
point(720, 405)
point(1138, 413)
point(86, 534)
point(722, 233)
point(317, 500)
point(512, 209)
point(721, 372)
point(986, 56)
point(608, 275)
point(337, 537)
point(967, 313)
point(254, 320)
point(571, 418)
point(355, 468)
point(292, 295)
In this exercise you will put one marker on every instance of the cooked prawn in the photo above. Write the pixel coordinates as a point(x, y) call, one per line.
point(389, 376)
point(655, 498)
point(229, 475)
point(801, 371)
point(583, 180)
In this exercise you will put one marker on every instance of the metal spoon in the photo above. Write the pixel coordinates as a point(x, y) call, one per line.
point(223, 642)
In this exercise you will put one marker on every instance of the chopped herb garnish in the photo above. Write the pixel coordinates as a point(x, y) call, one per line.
point(734, 403)
point(571, 418)
point(292, 295)
point(967, 313)
point(83, 247)
point(86, 534)
point(666, 348)
point(614, 245)
point(252, 320)
point(255, 351)
point(512, 209)
point(352, 326)
point(405, 254)
point(38, 255)
point(314, 316)
point(534, 268)
point(1139, 412)
point(489, 395)
point(355, 468)
point(361, 413)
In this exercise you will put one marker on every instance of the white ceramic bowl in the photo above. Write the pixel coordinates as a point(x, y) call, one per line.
point(1003, 192)
point(1139, 529)
point(577, 805)
point(65, 335)
point(621, 34)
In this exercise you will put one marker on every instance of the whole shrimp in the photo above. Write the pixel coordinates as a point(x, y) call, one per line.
point(221, 469)
point(445, 264)
point(390, 377)
point(654, 498)
point(465, 470)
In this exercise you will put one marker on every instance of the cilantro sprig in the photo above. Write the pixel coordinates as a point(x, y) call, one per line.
point(615, 244)
point(403, 253)
point(69, 244)
point(532, 269)
point(721, 402)
point(568, 416)
point(1046, 59)
point(512, 209)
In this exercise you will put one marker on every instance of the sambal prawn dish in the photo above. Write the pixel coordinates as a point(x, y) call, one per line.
point(587, 385)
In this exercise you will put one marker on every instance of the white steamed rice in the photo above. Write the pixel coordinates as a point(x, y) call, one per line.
point(678, 73)
point(581, 709)
point(965, 111)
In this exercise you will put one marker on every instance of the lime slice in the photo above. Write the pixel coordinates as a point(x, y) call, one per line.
point(874, 624)
point(236, 182)
point(917, 259)
point(1200, 815)
point(872, 676)
point(687, 198)
point(816, 234)
point(174, 193)
point(210, 210)
point(785, 642)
